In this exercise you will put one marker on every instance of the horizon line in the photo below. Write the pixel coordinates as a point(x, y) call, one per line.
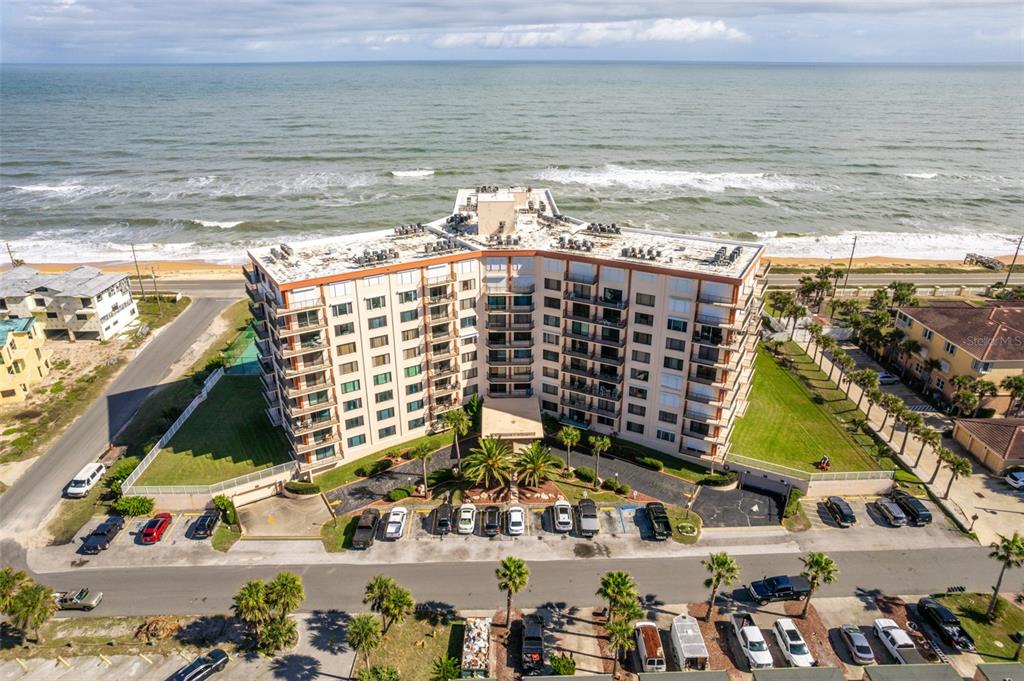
point(693, 62)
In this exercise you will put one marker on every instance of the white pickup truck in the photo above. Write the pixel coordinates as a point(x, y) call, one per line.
point(898, 642)
point(752, 642)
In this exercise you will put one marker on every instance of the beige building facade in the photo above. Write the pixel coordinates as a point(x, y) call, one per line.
point(367, 340)
point(24, 359)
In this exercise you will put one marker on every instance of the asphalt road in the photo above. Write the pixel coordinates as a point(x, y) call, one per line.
point(203, 590)
point(24, 506)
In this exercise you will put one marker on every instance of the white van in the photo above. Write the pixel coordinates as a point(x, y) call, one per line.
point(648, 647)
point(85, 480)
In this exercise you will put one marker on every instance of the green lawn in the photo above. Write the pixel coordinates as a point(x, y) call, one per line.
point(343, 475)
point(1009, 619)
point(412, 646)
point(227, 436)
point(784, 424)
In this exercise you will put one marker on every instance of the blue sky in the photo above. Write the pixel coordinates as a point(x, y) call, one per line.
point(168, 31)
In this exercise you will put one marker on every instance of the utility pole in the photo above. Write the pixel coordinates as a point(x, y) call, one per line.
point(159, 306)
point(1013, 264)
point(10, 254)
point(138, 273)
point(850, 263)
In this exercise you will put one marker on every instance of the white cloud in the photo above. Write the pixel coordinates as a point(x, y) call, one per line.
point(593, 34)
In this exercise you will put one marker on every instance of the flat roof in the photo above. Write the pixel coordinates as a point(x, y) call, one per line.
point(538, 226)
point(79, 281)
point(682, 676)
point(16, 325)
point(1002, 671)
point(911, 672)
point(512, 418)
point(800, 674)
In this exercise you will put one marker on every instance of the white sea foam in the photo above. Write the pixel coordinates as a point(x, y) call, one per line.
point(420, 172)
point(924, 244)
point(228, 224)
point(612, 175)
point(921, 176)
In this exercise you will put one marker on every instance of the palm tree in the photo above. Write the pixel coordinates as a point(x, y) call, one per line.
point(930, 366)
point(364, 635)
point(284, 594)
point(569, 437)
point(891, 406)
point(866, 380)
point(513, 576)
point(620, 639)
point(795, 312)
point(724, 572)
point(1009, 551)
point(929, 438)
point(813, 330)
point(913, 423)
point(11, 581)
point(31, 608)
point(818, 569)
point(1015, 386)
point(535, 464)
point(599, 444)
point(908, 348)
point(250, 607)
point(618, 588)
point(874, 397)
point(424, 453)
point(958, 467)
point(377, 589)
point(965, 402)
point(445, 668)
point(830, 346)
point(943, 455)
point(982, 389)
point(846, 365)
point(490, 464)
point(398, 603)
point(903, 293)
point(460, 423)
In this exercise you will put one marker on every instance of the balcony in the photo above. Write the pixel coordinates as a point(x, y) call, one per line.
point(269, 382)
point(509, 343)
point(596, 300)
point(294, 411)
point(514, 378)
point(510, 393)
point(298, 391)
point(614, 361)
point(303, 426)
point(257, 311)
point(443, 333)
point(250, 275)
point(510, 309)
point(705, 399)
point(440, 316)
point(591, 389)
point(261, 329)
point(598, 338)
point(437, 408)
point(712, 299)
point(590, 373)
point(445, 371)
point(285, 351)
point(579, 424)
point(296, 307)
point(510, 361)
point(720, 363)
point(299, 446)
point(579, 278)
point(445, 389)
point(582, 405)
point(721, 342)
point(307, 367)
point(442, 354)
point(440, 299)
point(293, 329)
point(509, 287)
point(439, 281)
point(568, 314)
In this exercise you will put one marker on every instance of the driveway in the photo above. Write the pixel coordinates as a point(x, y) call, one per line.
point(738, 508)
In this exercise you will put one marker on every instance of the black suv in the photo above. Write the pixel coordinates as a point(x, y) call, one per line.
point(947, 624)
point(533, 645)
point(366, 529)
point(661, 528)
point(100, 538)
point(492, 521)
point(443, 519)
point(917, 513)
point(205, 525)
point(203, 667)
point(840, 511)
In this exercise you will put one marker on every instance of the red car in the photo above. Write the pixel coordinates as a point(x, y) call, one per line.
point(155, 528)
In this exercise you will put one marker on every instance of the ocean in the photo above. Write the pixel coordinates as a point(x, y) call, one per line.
point(201, 162)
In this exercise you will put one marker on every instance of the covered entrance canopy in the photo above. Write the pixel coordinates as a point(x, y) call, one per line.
point(515, 419)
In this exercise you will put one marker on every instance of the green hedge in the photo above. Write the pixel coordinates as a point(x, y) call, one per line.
point(792, 503)
point(398, 494)
point(650, 462)
point(227, 509)
point(586, 474)
point(301, 487)
point(985, 413)
point(611, 485)
point(719, 479)
point(131, 507)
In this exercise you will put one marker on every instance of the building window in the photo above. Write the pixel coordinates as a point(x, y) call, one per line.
point(407, 296)
point(643, 318)
point(550, 355)
point(411, 353)
point(549, 389)
point(552, 303)
point(927, 333)
point(409, 315)
point(552, 284)
point(666, 435)
point(346, 348)
point(376, 303)
point(413, 388)
point(675, 344)
point(468, 340)
point(348, 368)
point(386, 432)
point(323, 452)
point(356, 440)
point(382, 379)
point(467, 284)
point(381, 360)
point(676, 324)
point(410, 372)
point(645, 299)
point(674, 363)
point(385, 414)
point(378, 341)
point(377, 322)
point(350, 386)
point(642, 357)
point(344, 329)
point(667, 416)
point(467, 322)
point(384, 396)
point(469, 356)
point(354, 422)
point(51, 315)
point(417, 423)
point(672, 382)
point(641, 338)
point(640, 374)
point(415, 405)
point(550, 320)
point(470, 373)
point(410, 334)
point(349, 405)
point(640, 393)
point(467, 304)
point(949, 348)
point(550, 338)
point(545, 405)
point(981, 367)
point(39, 302)
point(635, 427)
point(636, 410)
point(340, 309)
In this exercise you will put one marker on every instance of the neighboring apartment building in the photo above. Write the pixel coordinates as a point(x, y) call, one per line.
point(997, 443)
point(983, 342)
point(24, 361)
point(366, 340)
point(82, 304)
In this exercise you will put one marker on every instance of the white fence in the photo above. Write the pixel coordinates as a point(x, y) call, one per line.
point(128, 485)
point(219, 487)
point(798, 474)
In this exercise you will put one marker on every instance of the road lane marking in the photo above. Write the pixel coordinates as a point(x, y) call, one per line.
point(22, 663)
point(64, 662)
point(148, 661)
point(106, 659)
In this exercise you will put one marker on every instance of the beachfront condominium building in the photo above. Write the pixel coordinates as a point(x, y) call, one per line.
point(983, 342)
point(366, 340)
point(80, 304)
point(24, 359)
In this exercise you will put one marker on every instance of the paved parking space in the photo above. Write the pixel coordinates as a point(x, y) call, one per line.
point(742, 507)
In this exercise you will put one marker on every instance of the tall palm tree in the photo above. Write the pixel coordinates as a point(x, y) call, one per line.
point(424, 453)
point(364, 635)
point(959, 467)
point(874, 396)
point(929, 438)
point(618, 589)
point(398, 603)
point(31, 608)
point(377, 589)
point(891, 406)
point(1015, 386)
point(569, 437)
point(907, 348)
point(599, 444)
point(284, 594)
point(943, 455)
point(983, 389)
point(903, 293)
point(913, 423)
point(846, 365)
point(723, 571)
point(965, 402)
point(460, 423)
point(818, 569)
point(535, 464)
point(513, 575)
point(1009, 551)
point(620, 639)
point(929, 367)
point(795, 312)
point(490, 464)
point(866, 380)
point(11, 581)
point(445, 668)
point(813, 330)
point(250, 607)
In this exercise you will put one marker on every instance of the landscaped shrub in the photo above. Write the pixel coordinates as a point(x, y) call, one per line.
point(360, 472)
point(133, 506)
point(440, 476)
point(624, 489)
point(985, 413)
point(610, 485)
point(792, 503)
point(719, 479)
point(301, 487)
point(227, 509)
point(398, 493)
point(650, 462)
point(562, 665)
point(586, 474)
point(120, 472)
point(379, 466)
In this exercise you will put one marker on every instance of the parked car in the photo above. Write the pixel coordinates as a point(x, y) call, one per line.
point(533, 645)
point(443, 519)
point(366, 529)
point(792, 644)
point(885, 378)
point(588, 518)
point(840, 511)
point(648, 647)
point(892, 512)
point(917, 513)
point(85, 480)
point(492, 521)
point(153, 530)
point(752, 642)
point(515, 521)
point(779, 588)
point(1015, 479)
point(898, 642)
point(561, 515)
point(203, 667)
point(81, 599)
point(857, 644)
point(946, 623)
point(205, 525)
point(661, 528)
point(395, 528)
point(99, 539)
point(467, 519)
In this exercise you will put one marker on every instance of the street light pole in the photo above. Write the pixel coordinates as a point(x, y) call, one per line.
point(1013, 264)
point(850, 263)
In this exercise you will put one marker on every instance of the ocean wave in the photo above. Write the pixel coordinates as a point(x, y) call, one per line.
point(921, 176)
point(925, 241)
point(228, 224)
point(613, 175)
point(420, 172)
